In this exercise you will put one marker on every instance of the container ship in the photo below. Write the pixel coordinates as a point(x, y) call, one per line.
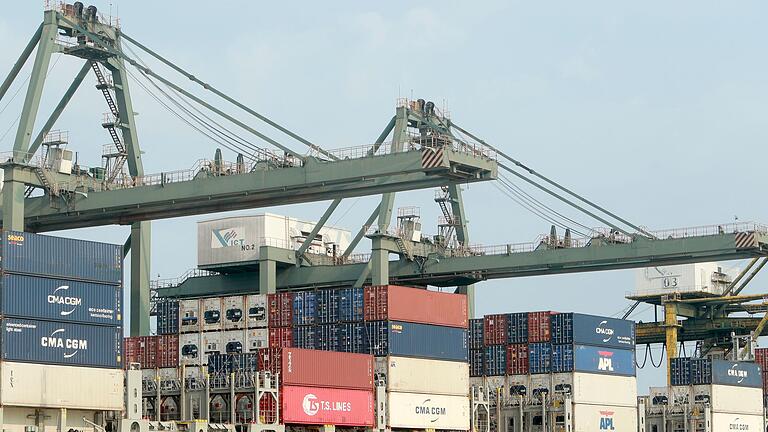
point(284, 326)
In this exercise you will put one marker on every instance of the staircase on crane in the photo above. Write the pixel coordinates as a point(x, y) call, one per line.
point(110, 123)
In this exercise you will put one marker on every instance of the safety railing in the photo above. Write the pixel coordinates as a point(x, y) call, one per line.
point(172, 282)
point(707, 230)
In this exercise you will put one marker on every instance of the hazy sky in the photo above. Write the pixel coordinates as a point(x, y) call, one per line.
point(654, 109)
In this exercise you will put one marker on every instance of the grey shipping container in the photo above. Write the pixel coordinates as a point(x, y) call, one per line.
point(35, 254)
point(398, 338)
point(60, 300)
point(592, 330)
point(36, 341)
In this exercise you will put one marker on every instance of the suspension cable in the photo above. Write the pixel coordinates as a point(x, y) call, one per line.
point(510, 194)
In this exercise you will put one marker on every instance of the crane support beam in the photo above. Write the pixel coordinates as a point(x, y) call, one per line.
point(697, 329)
point(452, 271)
point(21, 61)
point(314, 181)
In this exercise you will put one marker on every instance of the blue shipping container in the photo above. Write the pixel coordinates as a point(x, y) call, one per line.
point(50, 342)
point(60, 300)
point(167, 316)
point(327, 337)
point(35, 254)
point(540, 358)
point(592, 330)
point(351, 337)
point(351, 307)
point(598, 360)
point(495, 360)
point(399, 338)
point(680, 371)
point(304, 308)
point(327, 306)
point(723, 372)
point(517, 328)
point(304, 337)
point(475, 334)
point(476, 362)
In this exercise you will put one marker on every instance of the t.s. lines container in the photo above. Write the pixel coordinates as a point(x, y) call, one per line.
point(323, 405)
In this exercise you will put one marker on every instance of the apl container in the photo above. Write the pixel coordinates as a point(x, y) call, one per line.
point(327, 306)
point(605, 418)
point(42, 255)
point(517, 331)
point(414, 375)
point(50, 342)
point(327, 337)
point(168, 317)
point(540, 358)
point(599, 360)
point(593, 330)
point(301, 367)
point(351, 305)
point(475, 334)
point(396, 303)
point(327, 406)
point(304, 337)
point(351, 337)
point(384, 338)
point(427, 411)
point(60, 300)
point(476, 362)
point(495, 360)
point(280, 308)
point(257, 311)
point(495, 329)
point(304, 308)
point(517, 359)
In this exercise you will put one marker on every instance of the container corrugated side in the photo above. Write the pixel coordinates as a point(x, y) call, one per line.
point(327, 337)
point(413, 375)
point(495, 360)
point(351, 304)
point(351, 337)
point(304, 308)
point(592, 330)
point(397, 303)
point(427, 411)
point(280, 309)
point(304, 337)
point(732, 399)
point(517, 328)
point(327, 406)
point(313, 368)
point(51, 386)
point(475, 334)
point(590, 418)
point(168, 316)
point(66, 258)
point(737, 422)
point(399, 338)
point(50, 342)
point(495, 329)
point(476, 362)
point(60, 300)
point(327, 309)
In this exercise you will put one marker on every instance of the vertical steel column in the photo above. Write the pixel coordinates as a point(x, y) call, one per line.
point(671, 327)
point(398, 138)
point(267, 273)
point(13, 199)
point(380, 263)
point(139, 293)
point(462, 235)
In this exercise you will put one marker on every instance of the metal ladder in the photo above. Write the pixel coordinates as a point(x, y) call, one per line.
point(44, 180)
point(104, 86)
point(403, 248)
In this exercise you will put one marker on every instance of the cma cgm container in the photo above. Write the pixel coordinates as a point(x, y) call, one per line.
point(60, 300)
point(304, 308)
point(427, 411)
point(61, 343)
point(600, 360)
point(495, 329)
point(351, 304)
point(413, 375)
point(593, 330)
point(737, 422)
point(384, 338)
point(724, 372)
point(397, 303)
point(35, 254)
point(167, 316)
point(311, 368)
point(322, 405)
point(280, 309)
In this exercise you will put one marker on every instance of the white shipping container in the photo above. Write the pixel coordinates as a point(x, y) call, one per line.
point(257, 311)
point(591, 418)
point(598, 389)
point(212, 344)
point(427, 411)
point(415, 375)
point(256, 339)
point(236, 240)
point(191, 348)
point(51, 386)
point(737, 422)
point(732, 399)
point(25, 419)
point(234, 312)
point(700, 277)
point(189, 314)
point(233, 341)
point(211, 313)
point(679, 394)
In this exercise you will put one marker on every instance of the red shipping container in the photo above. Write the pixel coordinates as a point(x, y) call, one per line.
point(495, 329)
point(322, 406)
point(147, 352)
point(130, 351)
point(269, 359)
point(311, 368)
point(761, 358)
point(167, 351)
point(539, 326)
point(517, 359)
point(281, 337)
point(280, 307)
point(397, 303)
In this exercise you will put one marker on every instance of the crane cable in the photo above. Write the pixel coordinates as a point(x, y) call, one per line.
point(558, 186)
point(537, 212)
